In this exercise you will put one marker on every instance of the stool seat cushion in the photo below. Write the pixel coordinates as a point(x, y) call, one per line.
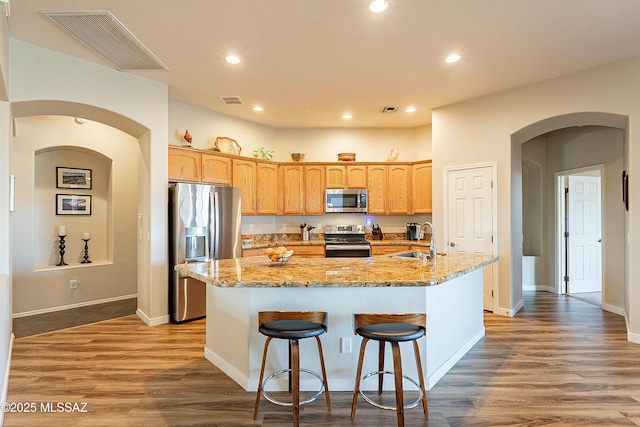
point(292, 329)
point(391, 332)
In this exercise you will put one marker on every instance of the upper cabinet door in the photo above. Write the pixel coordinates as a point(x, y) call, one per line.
point(184, 165)
point(357, 176)
point(336, 176)
point(422, 189)
point(244, 177)
point(267, 188)
point(216, 169)
point(293, 189)
point(314, 189)
point(377, 189)
point(398, 186)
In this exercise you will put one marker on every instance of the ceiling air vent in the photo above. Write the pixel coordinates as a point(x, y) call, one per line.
point(102, 32)
point(388, 110)
point(231, 100)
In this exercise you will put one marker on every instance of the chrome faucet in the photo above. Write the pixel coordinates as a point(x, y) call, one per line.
point(432, 247)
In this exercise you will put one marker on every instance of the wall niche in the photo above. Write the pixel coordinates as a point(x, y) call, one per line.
point(47, 220)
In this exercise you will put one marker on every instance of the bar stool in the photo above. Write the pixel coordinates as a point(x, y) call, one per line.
point(391, 328)
point(292, 326)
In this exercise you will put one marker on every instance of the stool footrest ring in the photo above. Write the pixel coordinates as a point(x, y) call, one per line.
point(390, 408)
point(281, 403)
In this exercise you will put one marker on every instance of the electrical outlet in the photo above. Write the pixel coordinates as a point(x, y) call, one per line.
point(345, 345)
point(250, 227)
point(73, 283)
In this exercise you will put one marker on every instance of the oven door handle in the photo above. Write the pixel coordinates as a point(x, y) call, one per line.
point(346, 247)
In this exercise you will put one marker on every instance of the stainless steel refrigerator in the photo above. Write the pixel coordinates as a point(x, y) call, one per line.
point(204, 224)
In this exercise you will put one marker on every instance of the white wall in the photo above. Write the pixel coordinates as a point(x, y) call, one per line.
point(41, 143)
point(6, 335)
point(369, 144)
point(45, 82)
point(482, 130)
point(205, 126)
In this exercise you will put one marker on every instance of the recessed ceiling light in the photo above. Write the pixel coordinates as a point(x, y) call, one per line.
point(347, 116)
point(231, 59)
point(410, 110)
point(452, 58)
point(258, 108)
point(378, 6)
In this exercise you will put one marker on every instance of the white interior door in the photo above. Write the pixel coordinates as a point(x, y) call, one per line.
point(584, 234)
point(470, 217)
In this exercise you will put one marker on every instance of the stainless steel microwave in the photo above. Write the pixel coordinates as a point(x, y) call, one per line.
point(346, 200)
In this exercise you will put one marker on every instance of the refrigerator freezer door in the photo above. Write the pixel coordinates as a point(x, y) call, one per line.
point(190, 299)
point(225, 229)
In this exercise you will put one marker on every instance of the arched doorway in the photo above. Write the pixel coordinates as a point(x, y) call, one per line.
point(566, 143)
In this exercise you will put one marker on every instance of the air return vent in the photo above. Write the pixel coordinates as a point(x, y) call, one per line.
point(388, 110)
point(231, 100)
point(102, 32)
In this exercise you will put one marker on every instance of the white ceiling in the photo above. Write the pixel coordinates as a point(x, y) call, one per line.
point(307, 62)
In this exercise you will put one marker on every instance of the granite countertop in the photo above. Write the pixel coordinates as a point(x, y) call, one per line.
point(375, 271)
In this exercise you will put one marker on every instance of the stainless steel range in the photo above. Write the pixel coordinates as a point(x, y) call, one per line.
point(345, 241)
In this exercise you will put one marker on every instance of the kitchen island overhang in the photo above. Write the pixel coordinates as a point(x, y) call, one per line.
point(237, 289)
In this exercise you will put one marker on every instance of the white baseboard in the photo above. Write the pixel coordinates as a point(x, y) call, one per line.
point(152, 321)
point(7, 369)
point(70, 306)
point(613, 309)
point(450, 362)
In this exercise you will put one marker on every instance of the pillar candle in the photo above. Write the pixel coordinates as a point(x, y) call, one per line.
point(86, 236)
point(62, 230)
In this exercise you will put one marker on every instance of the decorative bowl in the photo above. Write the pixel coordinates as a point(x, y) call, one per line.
point(297, 157)
point(347, 157)
point(283, 259)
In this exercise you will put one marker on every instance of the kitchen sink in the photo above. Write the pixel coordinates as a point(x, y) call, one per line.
point(415, 255)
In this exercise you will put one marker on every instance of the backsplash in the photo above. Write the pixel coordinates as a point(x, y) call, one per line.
point(292, 237)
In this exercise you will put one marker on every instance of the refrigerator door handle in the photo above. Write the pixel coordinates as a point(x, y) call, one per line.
point(215, 224)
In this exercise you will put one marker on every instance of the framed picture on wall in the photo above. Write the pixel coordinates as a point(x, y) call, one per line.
point(73, 178)
point(73, 204)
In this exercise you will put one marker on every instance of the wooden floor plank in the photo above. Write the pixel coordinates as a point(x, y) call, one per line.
point(560, 361)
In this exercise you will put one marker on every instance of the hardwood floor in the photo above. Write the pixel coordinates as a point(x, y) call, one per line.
point(560, 361)
point(64, 319)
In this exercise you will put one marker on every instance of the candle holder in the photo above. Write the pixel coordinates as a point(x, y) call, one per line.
point(86, 252)
point(62, 246)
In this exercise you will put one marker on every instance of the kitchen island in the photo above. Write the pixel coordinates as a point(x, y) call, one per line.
point(449, 292)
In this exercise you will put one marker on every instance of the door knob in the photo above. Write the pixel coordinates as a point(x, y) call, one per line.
point(452, 244)
point(599, 240)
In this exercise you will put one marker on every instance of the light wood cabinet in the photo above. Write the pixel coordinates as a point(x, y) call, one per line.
point(314, 185)
point(254, 252)
point(353, 176)
point(388, 189)
point(422, 188)
point(301, 251)
point(398, 189)
point(357, 176)
point(377, 189)
point(267, 188)
point(216, 169)
point(184, 165)
point(272, 188)
point(336, 176)
point(388, 249)
point(307, 251)
point(302, 189)
point(244, 177)
point(258, 182)
point(292, 189)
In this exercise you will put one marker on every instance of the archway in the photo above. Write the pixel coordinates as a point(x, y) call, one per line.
point(574, 125)
point(130, 127)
